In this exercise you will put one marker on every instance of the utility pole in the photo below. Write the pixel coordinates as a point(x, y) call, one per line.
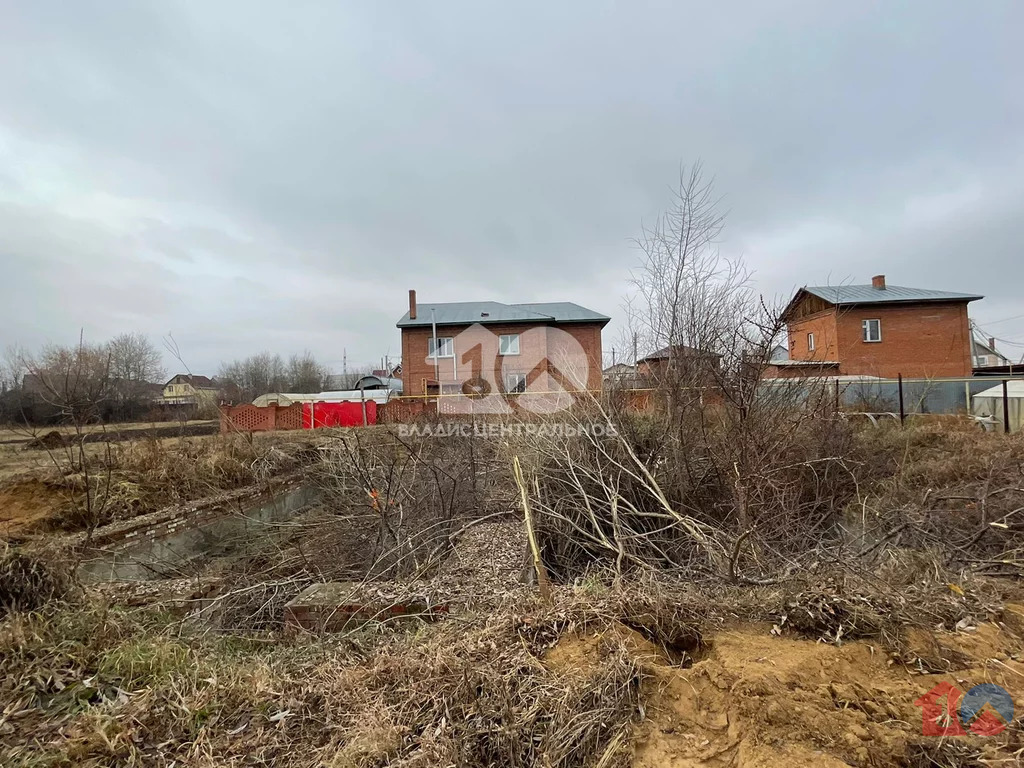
point(437, 375)
point(970, 330)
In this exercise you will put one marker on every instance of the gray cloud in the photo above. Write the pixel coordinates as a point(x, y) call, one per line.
point(276, 177)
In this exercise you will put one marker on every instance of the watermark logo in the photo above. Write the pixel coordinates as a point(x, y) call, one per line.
point(482, 372)
point(496, 430)
point(985, 710)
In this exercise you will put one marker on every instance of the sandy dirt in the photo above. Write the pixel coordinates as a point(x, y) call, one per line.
point(27, 505)
point(754, 700)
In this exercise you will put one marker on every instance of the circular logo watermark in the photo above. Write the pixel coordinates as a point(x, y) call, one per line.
point(537, 369)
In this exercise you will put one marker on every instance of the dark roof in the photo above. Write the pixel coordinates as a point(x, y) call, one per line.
point(378, 382)
point(848, 295)
point(681, 350)
point(484, 312)
point(197, 381)
point(891, 294)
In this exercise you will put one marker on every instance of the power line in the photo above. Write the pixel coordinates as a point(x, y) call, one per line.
point(1004, 320)
point(989, 334)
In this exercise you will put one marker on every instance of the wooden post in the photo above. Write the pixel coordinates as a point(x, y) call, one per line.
point(903, 413)
point(531, 535)
point(1006, 407)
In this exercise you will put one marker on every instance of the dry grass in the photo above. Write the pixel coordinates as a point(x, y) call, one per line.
point(95, 685)
point(98, 687)
point(28, 583)
point(139, 476)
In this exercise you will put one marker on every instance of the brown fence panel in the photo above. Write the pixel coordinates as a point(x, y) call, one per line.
point(252, 418)
point(397, 411)
point(289, 417)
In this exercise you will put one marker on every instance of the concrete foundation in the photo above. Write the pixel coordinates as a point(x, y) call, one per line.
point(170, 547)
point(335, 606)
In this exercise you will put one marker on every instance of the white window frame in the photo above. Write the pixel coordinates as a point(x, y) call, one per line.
point(515, 383)
point(447, 344)
point(810, 342)
point(508, 344)
point(866, 330)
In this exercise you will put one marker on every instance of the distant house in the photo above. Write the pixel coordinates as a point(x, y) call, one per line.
point(683, 360)
point(487, 345)
point(987, 356)
point(877, 330)
point(618, 372)
point(186, 389)
point(394, 372)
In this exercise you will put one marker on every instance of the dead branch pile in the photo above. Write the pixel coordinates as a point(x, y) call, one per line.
point(757, 505)
point(405, 498)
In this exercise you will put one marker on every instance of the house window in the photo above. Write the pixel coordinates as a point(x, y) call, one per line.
point(515, 382)
point(810, 342)
point(508, 344)
point(872, 330)
point(445, 347)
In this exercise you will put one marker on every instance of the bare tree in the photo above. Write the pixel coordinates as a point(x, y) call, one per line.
point(76, 382)
point(134, 363)
point(260, 374)
point(729, 466)
point(305, 374)
point(75, 379)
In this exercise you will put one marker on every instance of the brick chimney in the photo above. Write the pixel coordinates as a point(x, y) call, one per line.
point(412, 304)
point(878, 282)
point(992, 343)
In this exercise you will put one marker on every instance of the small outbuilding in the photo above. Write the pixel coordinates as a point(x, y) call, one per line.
point(379, 382)
point(989, 402)
point(379, 396)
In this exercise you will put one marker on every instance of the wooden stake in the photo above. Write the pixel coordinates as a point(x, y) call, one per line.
point(538, 565)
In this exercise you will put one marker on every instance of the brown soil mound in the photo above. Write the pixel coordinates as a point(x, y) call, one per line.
point(759, 700)
point(754, 700)
point(27, 506)
point(49, 441)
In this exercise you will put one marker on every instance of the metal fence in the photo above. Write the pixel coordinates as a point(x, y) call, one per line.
point(915, 396)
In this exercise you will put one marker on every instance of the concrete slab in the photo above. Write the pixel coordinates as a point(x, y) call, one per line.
point(336, 606)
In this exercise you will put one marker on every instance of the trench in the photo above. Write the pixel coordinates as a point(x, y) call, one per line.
point(179, 546)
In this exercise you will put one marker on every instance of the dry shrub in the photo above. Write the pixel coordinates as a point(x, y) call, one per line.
point(688, 496)
point(777, 497)
point(28, 583)
point(402, 498)
point(946, 488)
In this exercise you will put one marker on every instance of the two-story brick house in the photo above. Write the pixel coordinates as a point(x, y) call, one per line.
point(877, 330)
point(505, 348)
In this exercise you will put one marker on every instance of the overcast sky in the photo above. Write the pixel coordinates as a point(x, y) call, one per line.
point(269, 175)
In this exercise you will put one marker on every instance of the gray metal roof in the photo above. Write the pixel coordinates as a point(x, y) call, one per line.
point(868, 294)
point(469, 312)
point(378, 382)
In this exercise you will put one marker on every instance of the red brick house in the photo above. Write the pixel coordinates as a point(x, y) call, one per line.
point(505, 348)
point(877, 330)
point(688, 362)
